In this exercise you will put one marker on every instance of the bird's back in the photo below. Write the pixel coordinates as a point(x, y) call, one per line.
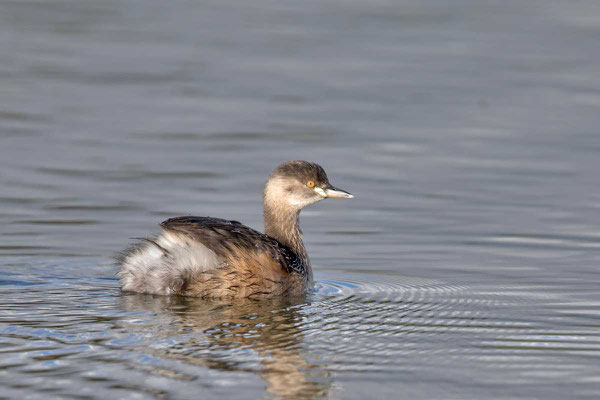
point(211, 257)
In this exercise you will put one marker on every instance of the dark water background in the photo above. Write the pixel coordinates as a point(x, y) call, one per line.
point(465, 268)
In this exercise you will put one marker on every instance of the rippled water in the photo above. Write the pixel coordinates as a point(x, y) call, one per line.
point(465, 268)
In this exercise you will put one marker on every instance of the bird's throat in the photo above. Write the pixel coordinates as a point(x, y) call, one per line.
point(283, 224)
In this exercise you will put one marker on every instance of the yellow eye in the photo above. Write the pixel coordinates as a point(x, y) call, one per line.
point(310, 184)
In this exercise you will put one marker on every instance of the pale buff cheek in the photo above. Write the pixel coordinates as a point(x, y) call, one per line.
point(300, 202)
point(274, 189)
point(278, 196)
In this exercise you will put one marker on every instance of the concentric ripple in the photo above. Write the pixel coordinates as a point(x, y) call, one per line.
point(413, 325)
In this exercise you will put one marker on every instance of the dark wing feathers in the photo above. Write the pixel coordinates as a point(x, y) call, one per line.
point(223, 236)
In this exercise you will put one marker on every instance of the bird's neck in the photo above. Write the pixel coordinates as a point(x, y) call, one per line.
point(282, 223)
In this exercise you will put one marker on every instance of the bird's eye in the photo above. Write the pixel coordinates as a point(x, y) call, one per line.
point(310, 184)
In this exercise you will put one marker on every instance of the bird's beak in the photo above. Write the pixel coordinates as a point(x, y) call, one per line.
point(334, 192)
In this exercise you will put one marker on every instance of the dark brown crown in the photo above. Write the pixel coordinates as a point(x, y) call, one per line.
point(302, 170)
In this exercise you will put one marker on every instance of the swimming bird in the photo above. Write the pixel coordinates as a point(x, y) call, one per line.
point(218, 258)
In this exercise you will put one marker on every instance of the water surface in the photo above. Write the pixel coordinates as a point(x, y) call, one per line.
point(465, 268)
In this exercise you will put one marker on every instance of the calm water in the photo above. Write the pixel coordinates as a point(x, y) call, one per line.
point(467, 266)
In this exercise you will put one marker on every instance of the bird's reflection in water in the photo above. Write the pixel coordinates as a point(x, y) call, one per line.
point(221, 335)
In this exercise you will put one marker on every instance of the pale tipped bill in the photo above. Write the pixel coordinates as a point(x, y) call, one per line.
point(333, 192)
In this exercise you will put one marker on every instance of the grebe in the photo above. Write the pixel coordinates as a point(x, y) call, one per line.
point(213, 257)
